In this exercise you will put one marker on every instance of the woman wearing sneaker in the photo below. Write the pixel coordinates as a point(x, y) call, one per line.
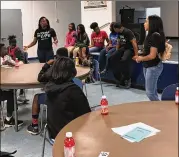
point(154, 45)
point(108, 50)
point(8, 95)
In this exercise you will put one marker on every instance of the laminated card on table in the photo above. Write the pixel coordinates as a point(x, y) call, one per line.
point(125, 129)
point(137, 134)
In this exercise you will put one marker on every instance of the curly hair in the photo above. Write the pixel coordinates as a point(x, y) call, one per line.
point(12, 39)
point(94, 25)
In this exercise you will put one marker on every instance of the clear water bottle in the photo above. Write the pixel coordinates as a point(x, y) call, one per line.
point(77, 61)
point(69, 145)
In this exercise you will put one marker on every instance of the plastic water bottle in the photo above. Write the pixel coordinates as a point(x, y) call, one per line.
point(16, 63)
point(69, 145)
point(77, 61)
point(177, 96)
point(104, 105)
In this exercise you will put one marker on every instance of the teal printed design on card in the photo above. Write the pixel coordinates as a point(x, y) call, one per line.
point(137, 134)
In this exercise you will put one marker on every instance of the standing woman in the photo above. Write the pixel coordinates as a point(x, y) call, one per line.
point(154, 45)
point(82, 43)
point(44, 35)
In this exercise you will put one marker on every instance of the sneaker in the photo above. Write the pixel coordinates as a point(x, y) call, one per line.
point(104, 71)
point(126, 84)
point(11, 122)
point(33, 130)
point(85, 62)
point(22, 99)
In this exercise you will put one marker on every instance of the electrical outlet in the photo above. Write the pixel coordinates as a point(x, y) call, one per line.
point(57, 20)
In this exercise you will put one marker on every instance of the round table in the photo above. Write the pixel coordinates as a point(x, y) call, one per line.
point(92, 132)
point(25, 76)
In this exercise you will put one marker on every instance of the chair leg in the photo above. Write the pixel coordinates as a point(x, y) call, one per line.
point(44, 138)
point(24, 94)
point(101, 83)
point(2, 117)
point(46, 111)
point(86, 90)
point(41, 116)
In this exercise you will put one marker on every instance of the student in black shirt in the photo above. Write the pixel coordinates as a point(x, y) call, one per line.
point(121, 60)
point(44, 35)
point(154, 45)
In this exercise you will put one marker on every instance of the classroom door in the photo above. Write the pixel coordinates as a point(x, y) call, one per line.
point(11, 24)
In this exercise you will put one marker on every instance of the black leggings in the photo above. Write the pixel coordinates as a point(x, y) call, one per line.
point(120, 63)
point(9, 96)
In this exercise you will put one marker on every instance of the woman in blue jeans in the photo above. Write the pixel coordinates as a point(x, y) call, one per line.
point(108, 50)
point(154, 45)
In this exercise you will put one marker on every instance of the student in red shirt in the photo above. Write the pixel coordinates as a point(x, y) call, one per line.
point(98, 38)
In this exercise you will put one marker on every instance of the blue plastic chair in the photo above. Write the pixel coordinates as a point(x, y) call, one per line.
point(169, 92)
point(78, 82)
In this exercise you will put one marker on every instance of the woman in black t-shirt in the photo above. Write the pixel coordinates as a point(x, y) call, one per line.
point(44, 35)
point(154, 45)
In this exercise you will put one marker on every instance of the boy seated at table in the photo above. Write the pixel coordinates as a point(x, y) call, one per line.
point(40, 98)
point(8, 94)
point(16, 53)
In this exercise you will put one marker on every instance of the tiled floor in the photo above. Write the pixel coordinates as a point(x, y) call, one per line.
point(31, 146)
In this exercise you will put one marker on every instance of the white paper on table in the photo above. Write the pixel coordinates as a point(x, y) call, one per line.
point(125, 129)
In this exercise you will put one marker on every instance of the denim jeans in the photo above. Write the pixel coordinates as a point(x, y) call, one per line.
point(151, 75)
point(104, 57)
point(95, 49)
point(120, 63)
point(45, 55)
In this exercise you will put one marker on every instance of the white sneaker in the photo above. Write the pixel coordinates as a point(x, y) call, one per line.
point(21, 98)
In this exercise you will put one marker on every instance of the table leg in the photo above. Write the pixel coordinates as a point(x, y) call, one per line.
point(15, 111)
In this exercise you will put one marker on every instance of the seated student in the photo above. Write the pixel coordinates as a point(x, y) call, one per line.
point(121, 60)
point(70, 38)
point(98, 38)
point(15, 52)
point(40, 98)
point(108, 50)
point(8, 94)
point(81, 46)
point(65, 100)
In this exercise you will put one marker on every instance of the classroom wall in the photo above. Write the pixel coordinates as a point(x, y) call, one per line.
point(65, 11)
point(169, 12)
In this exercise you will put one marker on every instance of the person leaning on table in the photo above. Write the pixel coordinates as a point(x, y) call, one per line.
point(8, 94)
